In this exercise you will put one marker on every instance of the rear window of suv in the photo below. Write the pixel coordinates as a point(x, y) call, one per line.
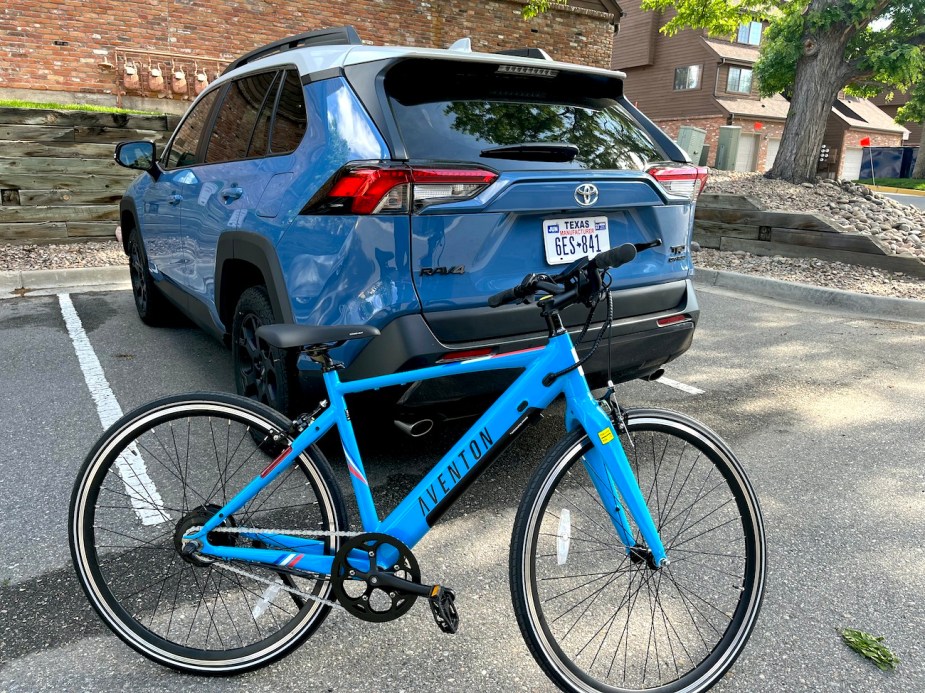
point(451, 111)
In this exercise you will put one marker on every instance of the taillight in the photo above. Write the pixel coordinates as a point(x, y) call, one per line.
point(374, 190)
point(681, 180)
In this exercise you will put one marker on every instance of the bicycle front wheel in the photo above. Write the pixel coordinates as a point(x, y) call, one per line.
point(169, 466)
point(596, 620)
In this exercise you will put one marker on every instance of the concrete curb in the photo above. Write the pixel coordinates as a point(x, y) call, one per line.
point(37, 280)
point(794, 292)
point(896, 191)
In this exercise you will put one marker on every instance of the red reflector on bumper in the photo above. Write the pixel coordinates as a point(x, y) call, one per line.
point(672, 320)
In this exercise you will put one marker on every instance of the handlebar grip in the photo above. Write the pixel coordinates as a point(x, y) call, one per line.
point(502, 297)
point(615, 257)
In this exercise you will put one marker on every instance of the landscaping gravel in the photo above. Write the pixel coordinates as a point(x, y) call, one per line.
point(66, 256)
point(858, 209)
point(832, 275)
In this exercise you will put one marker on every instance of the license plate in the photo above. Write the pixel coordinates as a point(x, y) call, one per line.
point(566, 240)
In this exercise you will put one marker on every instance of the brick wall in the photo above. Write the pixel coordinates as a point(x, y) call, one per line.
point(98, 36)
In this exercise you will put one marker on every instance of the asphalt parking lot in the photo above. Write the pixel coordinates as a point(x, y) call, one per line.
point(826, 410)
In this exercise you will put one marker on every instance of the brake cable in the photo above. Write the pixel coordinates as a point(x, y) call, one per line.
point(550, 378)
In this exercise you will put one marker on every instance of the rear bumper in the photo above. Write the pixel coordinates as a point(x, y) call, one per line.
point(638, 347)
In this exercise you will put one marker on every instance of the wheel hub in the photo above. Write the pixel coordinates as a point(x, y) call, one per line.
point(197, 518)
point(258, 366)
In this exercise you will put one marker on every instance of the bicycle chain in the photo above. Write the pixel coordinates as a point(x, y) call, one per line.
point(224, 565)
point(279, 585)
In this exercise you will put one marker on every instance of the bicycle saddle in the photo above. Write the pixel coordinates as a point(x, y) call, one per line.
point(289, 336)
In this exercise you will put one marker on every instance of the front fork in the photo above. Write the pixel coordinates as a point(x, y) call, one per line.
point(612, 476)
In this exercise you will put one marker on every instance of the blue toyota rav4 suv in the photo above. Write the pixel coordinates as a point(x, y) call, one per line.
point(321, 181)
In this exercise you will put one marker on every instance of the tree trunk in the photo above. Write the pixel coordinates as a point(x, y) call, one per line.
point(820, 74)
point(919, 170)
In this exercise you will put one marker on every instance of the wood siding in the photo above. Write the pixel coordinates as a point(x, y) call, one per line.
point(651, 87)
point(634, 44)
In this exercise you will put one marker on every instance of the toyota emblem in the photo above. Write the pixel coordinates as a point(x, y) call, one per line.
point(586, 194)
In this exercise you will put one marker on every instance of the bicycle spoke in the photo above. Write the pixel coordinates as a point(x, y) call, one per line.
point(634, 627)
point(201, 612)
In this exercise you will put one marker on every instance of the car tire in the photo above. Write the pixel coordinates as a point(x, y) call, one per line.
point(261, 372)
point(153, 307)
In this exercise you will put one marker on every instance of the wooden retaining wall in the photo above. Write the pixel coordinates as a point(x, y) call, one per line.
point(733, 222)
point(58, 180)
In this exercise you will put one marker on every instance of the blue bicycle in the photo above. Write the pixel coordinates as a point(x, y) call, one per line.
point(210, 534)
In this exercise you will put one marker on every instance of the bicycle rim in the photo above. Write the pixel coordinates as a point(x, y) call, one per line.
point(598, 621)
point(174, 462)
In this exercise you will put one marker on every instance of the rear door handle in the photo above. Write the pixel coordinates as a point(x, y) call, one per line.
point(175, 199)
point(231, 193)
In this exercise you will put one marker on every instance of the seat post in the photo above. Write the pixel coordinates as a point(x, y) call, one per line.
point(324, 358)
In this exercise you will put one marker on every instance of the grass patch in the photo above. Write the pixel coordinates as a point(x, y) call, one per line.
point(907, 183)
point(16, 103)
point(871, 647)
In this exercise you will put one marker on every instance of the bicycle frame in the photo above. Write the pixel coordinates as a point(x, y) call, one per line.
point(606, 461)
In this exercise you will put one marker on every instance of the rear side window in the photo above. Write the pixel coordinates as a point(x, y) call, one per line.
point(186, 141)
point(244, 101)
point(454, 112)
point(290, 123)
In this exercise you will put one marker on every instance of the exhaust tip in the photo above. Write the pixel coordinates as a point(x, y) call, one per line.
point(655, 375)
point(415, 429)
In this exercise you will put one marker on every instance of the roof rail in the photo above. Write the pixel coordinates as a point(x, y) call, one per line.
point(335, 36)
point(538, 53)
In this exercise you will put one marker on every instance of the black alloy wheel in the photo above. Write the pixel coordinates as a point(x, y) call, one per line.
point(261, 372)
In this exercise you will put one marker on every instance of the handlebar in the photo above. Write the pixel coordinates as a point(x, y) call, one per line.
point(569, 285)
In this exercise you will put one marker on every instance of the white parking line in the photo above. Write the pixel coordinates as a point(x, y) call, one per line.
point(680, 386)
point(146, 501)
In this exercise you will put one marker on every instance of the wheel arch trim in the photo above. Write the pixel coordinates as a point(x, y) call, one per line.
point(258, 251)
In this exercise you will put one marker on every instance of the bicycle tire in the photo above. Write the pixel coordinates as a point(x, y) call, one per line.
point(178, 460)
point(576, 592)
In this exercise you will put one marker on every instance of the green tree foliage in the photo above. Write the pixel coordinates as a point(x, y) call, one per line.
point(886, 55)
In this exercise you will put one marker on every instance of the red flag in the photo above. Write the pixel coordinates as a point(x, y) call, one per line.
point(865, 141)
point(758, 125)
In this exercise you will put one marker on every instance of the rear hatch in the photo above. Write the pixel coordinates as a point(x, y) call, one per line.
point(571, 180)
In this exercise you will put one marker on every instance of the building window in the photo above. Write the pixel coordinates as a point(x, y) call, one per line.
point(750, 33)
point(687, 77)
point(739, 80)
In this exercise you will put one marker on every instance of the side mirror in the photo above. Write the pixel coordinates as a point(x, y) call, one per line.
point(141, 156)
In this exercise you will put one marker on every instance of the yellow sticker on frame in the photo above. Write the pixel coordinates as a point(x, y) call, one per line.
point(606, 435)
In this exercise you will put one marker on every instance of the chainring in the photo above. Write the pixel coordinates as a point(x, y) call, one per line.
point(354, 577)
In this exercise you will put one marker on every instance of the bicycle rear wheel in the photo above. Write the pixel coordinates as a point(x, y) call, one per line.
point(594, 619)
point(170, 465)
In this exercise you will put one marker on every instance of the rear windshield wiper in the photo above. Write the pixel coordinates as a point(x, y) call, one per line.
point(533, 151)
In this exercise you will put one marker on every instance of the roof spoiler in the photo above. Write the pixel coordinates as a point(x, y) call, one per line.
point(335, 36)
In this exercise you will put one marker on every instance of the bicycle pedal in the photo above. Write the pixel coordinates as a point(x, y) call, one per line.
point(443, 605)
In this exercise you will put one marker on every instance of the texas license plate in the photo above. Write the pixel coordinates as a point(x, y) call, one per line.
point(567, 240)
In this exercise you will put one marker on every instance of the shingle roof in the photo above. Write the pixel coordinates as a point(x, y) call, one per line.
point(772, 107)
point(864, 115)
point(732, 51)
